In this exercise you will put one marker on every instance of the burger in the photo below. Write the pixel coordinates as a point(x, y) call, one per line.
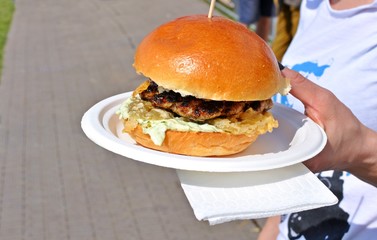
point(208, 88)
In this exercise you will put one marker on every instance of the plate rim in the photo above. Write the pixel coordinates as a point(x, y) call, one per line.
point(93, 124)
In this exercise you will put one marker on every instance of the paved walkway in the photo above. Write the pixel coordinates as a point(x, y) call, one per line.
point(61, 58)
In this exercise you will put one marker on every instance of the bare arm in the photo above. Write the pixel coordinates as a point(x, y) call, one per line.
point(351, 145)
point(270, 229)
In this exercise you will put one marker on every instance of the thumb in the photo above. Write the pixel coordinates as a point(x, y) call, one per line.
point(307, 92)
point(303, 89)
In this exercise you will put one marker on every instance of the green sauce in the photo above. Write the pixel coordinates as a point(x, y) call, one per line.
point(155, 122)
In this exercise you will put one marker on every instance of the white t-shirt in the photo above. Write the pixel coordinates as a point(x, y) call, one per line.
point(337, 50)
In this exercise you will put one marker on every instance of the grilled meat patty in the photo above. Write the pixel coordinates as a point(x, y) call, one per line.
point(199, 109)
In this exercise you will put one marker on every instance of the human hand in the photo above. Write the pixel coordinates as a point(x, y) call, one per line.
point(351, 146)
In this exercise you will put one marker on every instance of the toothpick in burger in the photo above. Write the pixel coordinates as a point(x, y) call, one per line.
point(208, 88)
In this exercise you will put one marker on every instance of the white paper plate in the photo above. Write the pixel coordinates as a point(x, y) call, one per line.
point(297, 139)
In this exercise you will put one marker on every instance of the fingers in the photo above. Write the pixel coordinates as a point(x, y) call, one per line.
point(317, 100)
point(303, 89)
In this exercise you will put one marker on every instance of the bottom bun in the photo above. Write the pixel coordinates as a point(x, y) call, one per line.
point(195, 143)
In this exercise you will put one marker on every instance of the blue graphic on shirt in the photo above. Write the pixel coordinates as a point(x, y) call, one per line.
point(306, 69)
point(310, 68)
point(282, 99)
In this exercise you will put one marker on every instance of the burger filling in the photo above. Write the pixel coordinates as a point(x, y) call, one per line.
point(199, 109)
point(157, 110)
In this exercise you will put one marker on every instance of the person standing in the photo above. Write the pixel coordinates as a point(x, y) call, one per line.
point(287, 21)
point(259, 12)
point(335, 46)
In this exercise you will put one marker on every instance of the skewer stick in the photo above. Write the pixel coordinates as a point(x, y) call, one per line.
point(211, 7)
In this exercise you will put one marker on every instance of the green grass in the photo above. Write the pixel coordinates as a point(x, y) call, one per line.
point(6, 13)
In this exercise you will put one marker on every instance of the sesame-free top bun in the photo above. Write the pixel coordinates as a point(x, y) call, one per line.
point(211, 58)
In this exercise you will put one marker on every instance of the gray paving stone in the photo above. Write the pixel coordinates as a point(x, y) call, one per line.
point(61, 58)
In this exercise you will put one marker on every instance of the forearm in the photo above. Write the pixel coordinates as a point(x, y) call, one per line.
point(270, 229)
point(365, 165)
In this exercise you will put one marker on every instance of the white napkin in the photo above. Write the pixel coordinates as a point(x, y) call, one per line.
point(224, 197)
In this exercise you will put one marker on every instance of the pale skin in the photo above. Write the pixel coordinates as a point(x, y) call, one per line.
point(351, 146)
point(348, 4)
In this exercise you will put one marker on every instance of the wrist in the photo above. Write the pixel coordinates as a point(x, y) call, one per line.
point(364, 164)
